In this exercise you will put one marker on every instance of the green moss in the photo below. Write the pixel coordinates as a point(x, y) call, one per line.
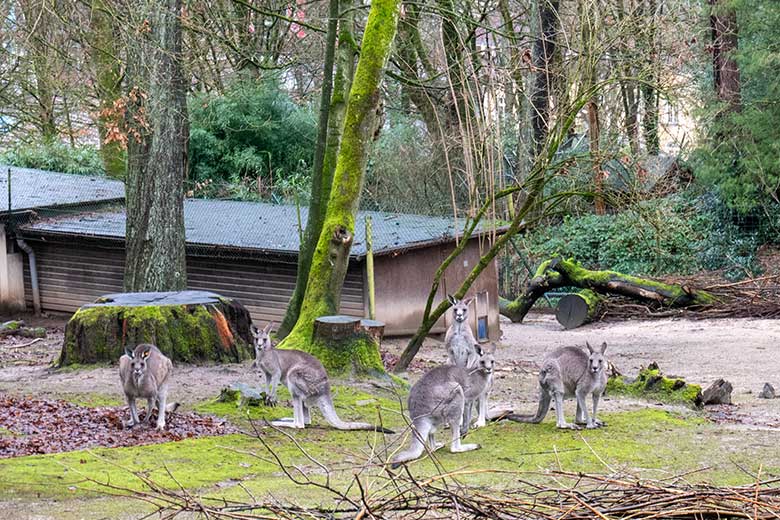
point(651, 384)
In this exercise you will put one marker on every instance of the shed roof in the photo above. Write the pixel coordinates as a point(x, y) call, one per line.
point(261, 227)
point(31, 189)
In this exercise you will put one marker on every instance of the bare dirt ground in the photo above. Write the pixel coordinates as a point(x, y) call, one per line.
point(745, 352)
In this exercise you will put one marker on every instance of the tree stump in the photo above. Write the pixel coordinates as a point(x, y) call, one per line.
point(578, 309)
point(190, 326)
point(347, 345)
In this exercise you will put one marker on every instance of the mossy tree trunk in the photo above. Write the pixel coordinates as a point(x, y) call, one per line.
point(331, 256)
point(333, 105)
point(558, 272)
point(578, 309)
point(108, 85)
point(157, 149)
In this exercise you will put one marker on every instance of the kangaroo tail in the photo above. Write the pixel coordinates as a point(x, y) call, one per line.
point(325, 404)
point(419, 436)
point(541, 412)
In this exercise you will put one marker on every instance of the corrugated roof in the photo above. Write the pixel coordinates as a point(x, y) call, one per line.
point(31, 189)
point(261, 227)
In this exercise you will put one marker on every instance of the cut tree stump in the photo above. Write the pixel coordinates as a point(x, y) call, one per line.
point(347, 345)
point(578, 309)
point(558, 272)
point(190, 326)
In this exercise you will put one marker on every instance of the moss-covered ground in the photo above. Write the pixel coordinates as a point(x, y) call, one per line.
point(651, 442)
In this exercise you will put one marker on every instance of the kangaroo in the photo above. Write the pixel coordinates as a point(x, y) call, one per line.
point(145, 373)
point(462, 349)
point(566, 372)
point(459, 339)
point(306, 379)
point(442, 396)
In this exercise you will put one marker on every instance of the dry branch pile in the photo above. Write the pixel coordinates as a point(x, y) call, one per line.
point(439, 497)
point(751, 298)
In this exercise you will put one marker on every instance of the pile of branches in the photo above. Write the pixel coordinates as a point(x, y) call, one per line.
point(396, 496)
point(749, 298)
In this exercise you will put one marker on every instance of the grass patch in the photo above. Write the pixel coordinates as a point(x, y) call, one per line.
point(650, 443)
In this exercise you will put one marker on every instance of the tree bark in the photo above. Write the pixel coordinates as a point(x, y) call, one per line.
point(108, 85)
point(331, 124)
point(331, 256)
point(649, 87)
point(156, 150)
point(544, 50)
point(558, 272)
point(578, 309)
point(725, 71)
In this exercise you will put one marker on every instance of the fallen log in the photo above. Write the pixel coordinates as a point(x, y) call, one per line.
point(579, 308)
point(559, 272)
point(18, 328)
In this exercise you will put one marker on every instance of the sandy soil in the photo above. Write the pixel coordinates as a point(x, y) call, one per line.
point(742, 351)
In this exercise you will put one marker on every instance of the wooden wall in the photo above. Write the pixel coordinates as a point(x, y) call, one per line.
point(403, 283)
point(72, 274)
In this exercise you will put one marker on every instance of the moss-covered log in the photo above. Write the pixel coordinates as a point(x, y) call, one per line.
point(558, 272)
point(652, 384)
point(190, 326)
point(18, 328)
point(348, 346)
point(579, 308)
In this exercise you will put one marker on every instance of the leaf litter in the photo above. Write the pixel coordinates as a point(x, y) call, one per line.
point(37, 426)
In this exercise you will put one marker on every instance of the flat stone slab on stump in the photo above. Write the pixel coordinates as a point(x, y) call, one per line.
point(190, 326)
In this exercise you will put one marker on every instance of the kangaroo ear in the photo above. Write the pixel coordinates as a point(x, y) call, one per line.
point(129, 353)
point(268, 327)
point(468, 301)
point(492, 348)
point(479, 350)
point(253, 329)
point(590, 349)
point(146, 352)
point(603, 347)
point(452, 299)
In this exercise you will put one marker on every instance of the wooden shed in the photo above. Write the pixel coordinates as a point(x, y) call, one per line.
point(248, 250)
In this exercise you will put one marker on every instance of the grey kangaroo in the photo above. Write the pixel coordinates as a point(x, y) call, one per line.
point(440, 397)
point(567, 372)
point(145, 372)
point(306, 379)
point(462, 350)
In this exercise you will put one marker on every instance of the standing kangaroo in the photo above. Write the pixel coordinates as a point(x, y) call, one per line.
point(145, 372)
point(462, 350)
point(440, 397)
point(306, 379)
point(567, 372)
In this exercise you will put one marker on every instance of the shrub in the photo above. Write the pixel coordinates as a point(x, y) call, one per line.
point(678, 234)
point(55, 156)
point(252, 131)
